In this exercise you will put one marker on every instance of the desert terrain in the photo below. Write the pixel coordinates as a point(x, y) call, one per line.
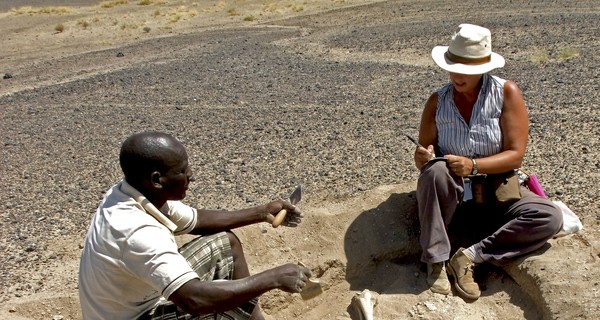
point(266, 95)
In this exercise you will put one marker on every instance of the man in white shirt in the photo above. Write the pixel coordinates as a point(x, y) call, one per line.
point(131, 267)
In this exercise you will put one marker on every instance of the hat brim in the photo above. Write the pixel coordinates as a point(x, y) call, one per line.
point(439, 57)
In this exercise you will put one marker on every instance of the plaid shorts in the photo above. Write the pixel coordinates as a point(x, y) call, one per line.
point(210, 256)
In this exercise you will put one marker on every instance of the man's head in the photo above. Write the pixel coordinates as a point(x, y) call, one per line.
point(156, 164)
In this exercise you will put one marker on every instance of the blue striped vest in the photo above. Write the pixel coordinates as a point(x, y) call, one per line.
point(483, 136)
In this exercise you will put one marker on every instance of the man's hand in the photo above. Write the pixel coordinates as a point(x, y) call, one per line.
point(293, 217)
point(459, 165)
point(201, 297)
point(291, 277)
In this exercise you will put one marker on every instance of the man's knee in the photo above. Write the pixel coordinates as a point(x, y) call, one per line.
point(234, 241)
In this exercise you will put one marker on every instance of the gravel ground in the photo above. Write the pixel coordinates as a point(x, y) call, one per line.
point(319, 100)
point(6, 5)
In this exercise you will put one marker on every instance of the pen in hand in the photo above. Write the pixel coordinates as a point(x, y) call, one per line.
point(413, 140)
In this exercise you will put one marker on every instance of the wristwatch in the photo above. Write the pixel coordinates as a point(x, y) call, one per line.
point(475, 169)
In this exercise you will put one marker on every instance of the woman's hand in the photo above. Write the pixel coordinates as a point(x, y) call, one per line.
point(423, 155)
point(459, 165)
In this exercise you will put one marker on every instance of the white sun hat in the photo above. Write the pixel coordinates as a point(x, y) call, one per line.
point(469, 52)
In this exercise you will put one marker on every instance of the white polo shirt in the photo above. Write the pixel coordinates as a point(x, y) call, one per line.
point(130, 259)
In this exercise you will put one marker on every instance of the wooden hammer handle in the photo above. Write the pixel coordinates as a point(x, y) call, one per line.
point(279, 218)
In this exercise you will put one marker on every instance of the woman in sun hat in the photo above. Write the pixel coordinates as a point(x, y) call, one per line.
point(475, 131)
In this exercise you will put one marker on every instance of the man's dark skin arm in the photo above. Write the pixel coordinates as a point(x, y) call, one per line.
point(199, 297)
point(213, 221)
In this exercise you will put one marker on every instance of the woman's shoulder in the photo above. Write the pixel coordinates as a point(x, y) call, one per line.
point(432, 100)
point(497, 80)
point(443, 91)
point(504, 84)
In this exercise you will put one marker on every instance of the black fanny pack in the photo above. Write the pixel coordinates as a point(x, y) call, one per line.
point(500, 189)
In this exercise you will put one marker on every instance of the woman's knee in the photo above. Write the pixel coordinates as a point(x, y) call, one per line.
point(434, 173)
point(434, 168)
point(546, 212)
point(555, 218)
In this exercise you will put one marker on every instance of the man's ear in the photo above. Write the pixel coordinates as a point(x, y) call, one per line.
point(155, 179)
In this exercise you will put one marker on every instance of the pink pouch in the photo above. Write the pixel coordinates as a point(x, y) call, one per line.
point(534, 185)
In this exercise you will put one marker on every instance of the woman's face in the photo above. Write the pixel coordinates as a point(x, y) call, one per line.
point(465, 83)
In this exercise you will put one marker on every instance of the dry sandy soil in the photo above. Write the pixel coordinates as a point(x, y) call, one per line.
point(268, 94)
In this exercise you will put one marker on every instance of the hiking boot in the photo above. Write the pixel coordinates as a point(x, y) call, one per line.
point(461, 267)
point(437, 278)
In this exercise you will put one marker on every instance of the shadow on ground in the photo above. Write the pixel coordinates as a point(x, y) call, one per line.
point(386, 259)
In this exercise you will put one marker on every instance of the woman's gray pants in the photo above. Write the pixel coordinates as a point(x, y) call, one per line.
point(499, 233)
